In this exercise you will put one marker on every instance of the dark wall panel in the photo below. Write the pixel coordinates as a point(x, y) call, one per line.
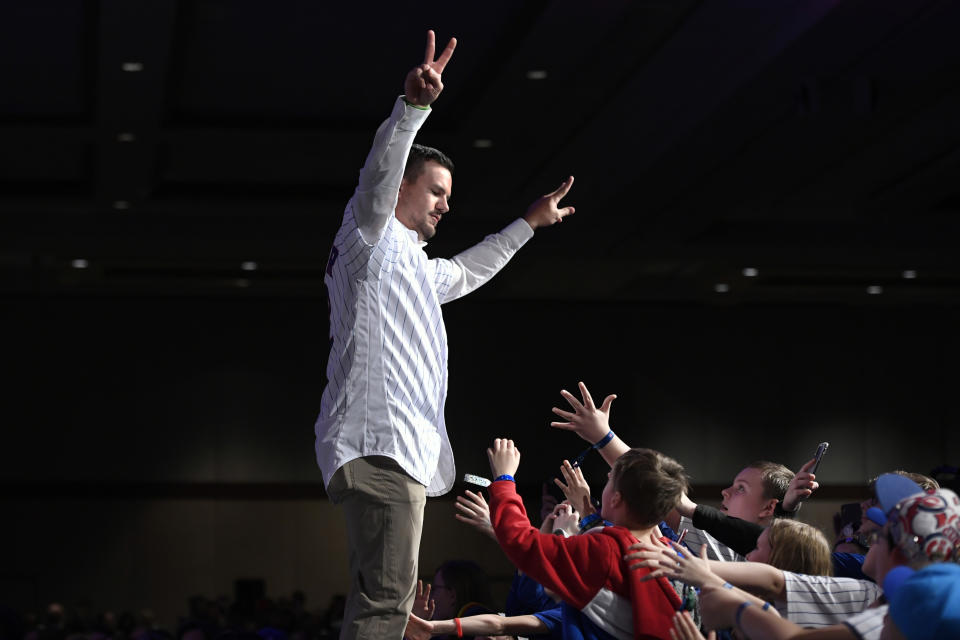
point(226, 391)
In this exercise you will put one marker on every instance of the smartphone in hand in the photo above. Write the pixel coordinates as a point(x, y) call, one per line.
point(821, 449)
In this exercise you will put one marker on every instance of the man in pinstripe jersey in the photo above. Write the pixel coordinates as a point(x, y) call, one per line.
point(381, 441)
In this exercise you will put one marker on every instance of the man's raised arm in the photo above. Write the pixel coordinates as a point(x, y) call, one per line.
point(376, 195)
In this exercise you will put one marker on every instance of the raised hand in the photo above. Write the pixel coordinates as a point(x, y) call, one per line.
point(423, 84)
point(647, 554)
point(666, 561)
point(587, 421)
point(685, 629)
point(423, 605)
point(544, 211)
point(473, 510)
point(568, 519)
point(504, 458)
point(576, 488)
point(418, 629)
point(801, 487)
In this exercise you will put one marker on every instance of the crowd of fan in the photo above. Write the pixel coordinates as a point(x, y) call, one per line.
point(750, 569)
point(642, 561)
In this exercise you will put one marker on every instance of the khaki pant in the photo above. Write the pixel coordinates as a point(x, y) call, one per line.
point(384, 512)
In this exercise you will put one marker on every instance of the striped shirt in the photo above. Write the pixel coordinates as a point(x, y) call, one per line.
point(716, 550)
point(387, 368)
point(868, 624)
point(822, 601)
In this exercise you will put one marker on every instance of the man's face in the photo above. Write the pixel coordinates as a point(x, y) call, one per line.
point(744, 498)
point(423, 202)
point(866, 504)
point(444, 597)
point(880, 558)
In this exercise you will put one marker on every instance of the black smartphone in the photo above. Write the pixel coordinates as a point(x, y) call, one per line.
point(821, 449)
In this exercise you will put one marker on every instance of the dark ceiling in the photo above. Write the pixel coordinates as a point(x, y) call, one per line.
point(166, 143)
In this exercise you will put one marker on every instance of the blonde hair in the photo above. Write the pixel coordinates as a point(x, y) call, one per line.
point(799, 548)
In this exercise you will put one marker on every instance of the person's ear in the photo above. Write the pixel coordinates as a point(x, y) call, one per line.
point(402, 193)
point(768, 508)
point(616, 499)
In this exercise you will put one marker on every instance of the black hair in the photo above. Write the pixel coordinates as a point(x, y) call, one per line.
point(419, 156)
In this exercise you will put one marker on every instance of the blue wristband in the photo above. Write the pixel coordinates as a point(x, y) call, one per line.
point(505, 476)
point(743, 605)
point(604, 440)
point(589, 521)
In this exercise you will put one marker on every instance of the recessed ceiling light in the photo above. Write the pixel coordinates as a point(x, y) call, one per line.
point(249, 265)
point(909, 274)
point(79, 263)
point(537, 74)
point(132, 67)
point(721, 287)
point(750, 272)
point(121, 204)
point(874, 289)
point(483, 143)
point(126, 136)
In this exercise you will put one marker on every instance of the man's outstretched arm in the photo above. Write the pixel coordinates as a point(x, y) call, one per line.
point(473, 267)
point(376, 195)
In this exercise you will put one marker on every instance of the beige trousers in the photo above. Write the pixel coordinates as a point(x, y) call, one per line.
point(384, 513)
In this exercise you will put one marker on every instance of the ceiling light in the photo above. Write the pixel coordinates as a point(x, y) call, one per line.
point(79, 263)
point(126, 136)
point(537, 74)
point(874, 289)
point(750, 272)
point(909, 274)
point(721, 287)
point(249, 265)
point(121, 204)
point(482, 143)
point(132, 67)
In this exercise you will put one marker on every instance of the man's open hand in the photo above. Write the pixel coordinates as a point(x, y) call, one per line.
point(423, 84)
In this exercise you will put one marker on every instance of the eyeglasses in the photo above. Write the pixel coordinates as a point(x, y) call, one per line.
point(865, 540)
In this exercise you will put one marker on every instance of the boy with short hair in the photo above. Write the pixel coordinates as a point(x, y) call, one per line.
point(601, 596)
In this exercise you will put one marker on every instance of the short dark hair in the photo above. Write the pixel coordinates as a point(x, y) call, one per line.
point(650, 484)
point(776, 478)
point(419, 156)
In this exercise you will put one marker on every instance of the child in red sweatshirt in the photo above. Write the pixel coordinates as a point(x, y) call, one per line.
point(602, 597)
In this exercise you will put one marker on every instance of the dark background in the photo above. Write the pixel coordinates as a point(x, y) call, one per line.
point(172, 174)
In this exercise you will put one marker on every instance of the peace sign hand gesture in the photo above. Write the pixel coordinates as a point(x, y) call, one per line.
point(545, 210)
point(423, 84)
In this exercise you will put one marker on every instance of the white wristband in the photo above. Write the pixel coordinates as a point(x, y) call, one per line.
point(477, 480)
